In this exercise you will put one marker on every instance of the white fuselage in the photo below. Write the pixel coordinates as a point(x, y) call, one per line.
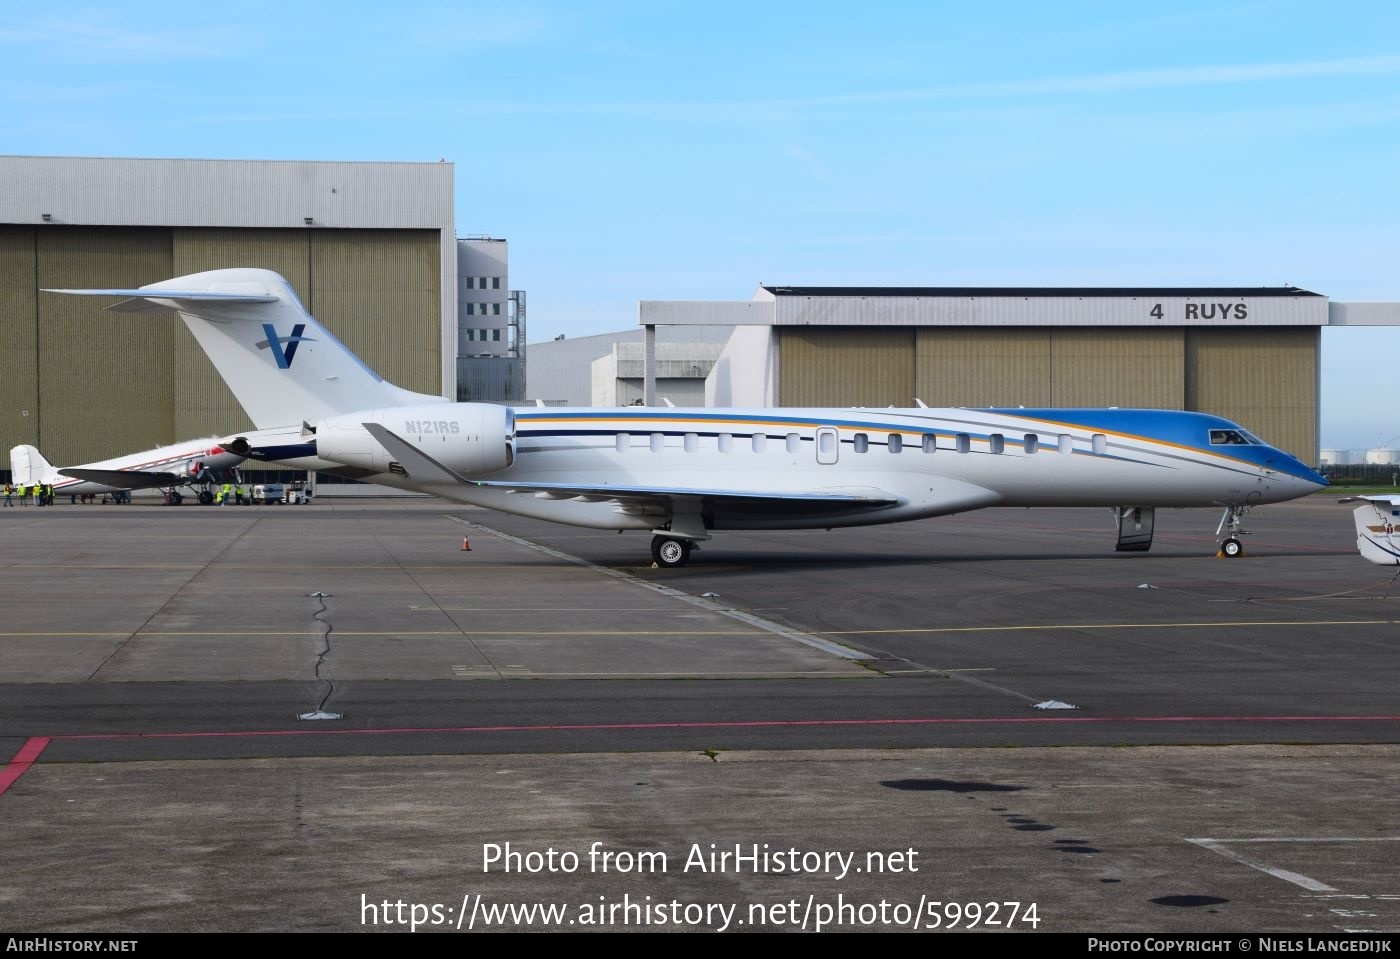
point(175, 458)
point(942, 461)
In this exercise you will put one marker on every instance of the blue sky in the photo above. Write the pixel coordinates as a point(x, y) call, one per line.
point(692, 150)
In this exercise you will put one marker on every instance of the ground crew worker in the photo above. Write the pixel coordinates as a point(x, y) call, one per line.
point(238, 495)
point(225, 494)
point(48, 494)
point(9, 492)
point(23, 494)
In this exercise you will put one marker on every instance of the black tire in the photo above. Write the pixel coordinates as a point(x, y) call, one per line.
point(669, 552)
point(1231, 548)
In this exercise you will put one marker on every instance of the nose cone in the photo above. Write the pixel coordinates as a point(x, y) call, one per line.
point(1302, 479)
point(1306, 473)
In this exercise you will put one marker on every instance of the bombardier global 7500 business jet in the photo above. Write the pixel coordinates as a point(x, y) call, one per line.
point(686, 474)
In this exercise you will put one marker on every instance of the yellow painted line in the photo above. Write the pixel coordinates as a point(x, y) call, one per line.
point(1001, 629)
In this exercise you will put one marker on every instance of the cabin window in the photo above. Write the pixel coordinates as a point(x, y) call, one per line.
point(930, 442)
point(896, 442)
point(826, 442)
point(996, 443)
point(860, 443)
point(760, 442)
point(1066, 443)
point(1100, 444)
point(1227, 438)
point(963, 443)
point(658, 442)
point(794, 443)
point(624, 441)
point(726, 442)
point(692, 442)
point(1030, 442)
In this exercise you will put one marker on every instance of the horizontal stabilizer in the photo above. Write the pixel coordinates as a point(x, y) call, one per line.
point(122, 479)
point(154, 300)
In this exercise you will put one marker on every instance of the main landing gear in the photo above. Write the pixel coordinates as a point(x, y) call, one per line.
point(1230, 546)
point(669, 552)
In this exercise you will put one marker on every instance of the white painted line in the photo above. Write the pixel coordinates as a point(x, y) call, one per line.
point(777, 629)
point(1297, 879)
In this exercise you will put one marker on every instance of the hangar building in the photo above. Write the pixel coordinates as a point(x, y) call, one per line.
point(1249, 354)
point(369, 247)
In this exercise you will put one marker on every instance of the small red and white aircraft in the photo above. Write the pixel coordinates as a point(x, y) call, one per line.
point(181, 464)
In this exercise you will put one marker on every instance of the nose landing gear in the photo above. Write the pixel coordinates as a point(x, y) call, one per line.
point(1230, 546)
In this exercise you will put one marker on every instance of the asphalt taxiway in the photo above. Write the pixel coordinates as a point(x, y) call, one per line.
point(156, 660)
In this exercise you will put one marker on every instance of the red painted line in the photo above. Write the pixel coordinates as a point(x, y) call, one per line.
point(26, 757)
point(732, 724)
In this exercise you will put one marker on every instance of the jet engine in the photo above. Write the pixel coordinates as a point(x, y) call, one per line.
point(469, 439)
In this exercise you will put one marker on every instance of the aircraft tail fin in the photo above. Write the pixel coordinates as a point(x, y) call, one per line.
point(28, 466)
point(1378, 529)
point(281, 364)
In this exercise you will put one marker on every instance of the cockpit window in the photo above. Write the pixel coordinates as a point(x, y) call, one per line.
point(1228, 438)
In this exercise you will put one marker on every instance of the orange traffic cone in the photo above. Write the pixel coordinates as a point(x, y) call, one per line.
point(466, 547)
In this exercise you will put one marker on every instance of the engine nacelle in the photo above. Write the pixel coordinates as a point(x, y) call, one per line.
point(472, 439)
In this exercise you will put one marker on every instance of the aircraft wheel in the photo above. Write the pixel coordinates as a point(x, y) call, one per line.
point(668, 552)
point(1232, 548)
point(206, 498)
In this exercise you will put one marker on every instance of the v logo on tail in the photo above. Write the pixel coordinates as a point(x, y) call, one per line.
point(274, 343)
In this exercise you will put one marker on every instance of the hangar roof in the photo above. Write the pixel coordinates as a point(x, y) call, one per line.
point(1076, 291)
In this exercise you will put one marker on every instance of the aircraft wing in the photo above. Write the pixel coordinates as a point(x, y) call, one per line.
point(122, 479)
point(619, 493)
point(420, 466)
point(1391, 501)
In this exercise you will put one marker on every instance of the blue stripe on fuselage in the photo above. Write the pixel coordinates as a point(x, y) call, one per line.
point(1187, 429)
